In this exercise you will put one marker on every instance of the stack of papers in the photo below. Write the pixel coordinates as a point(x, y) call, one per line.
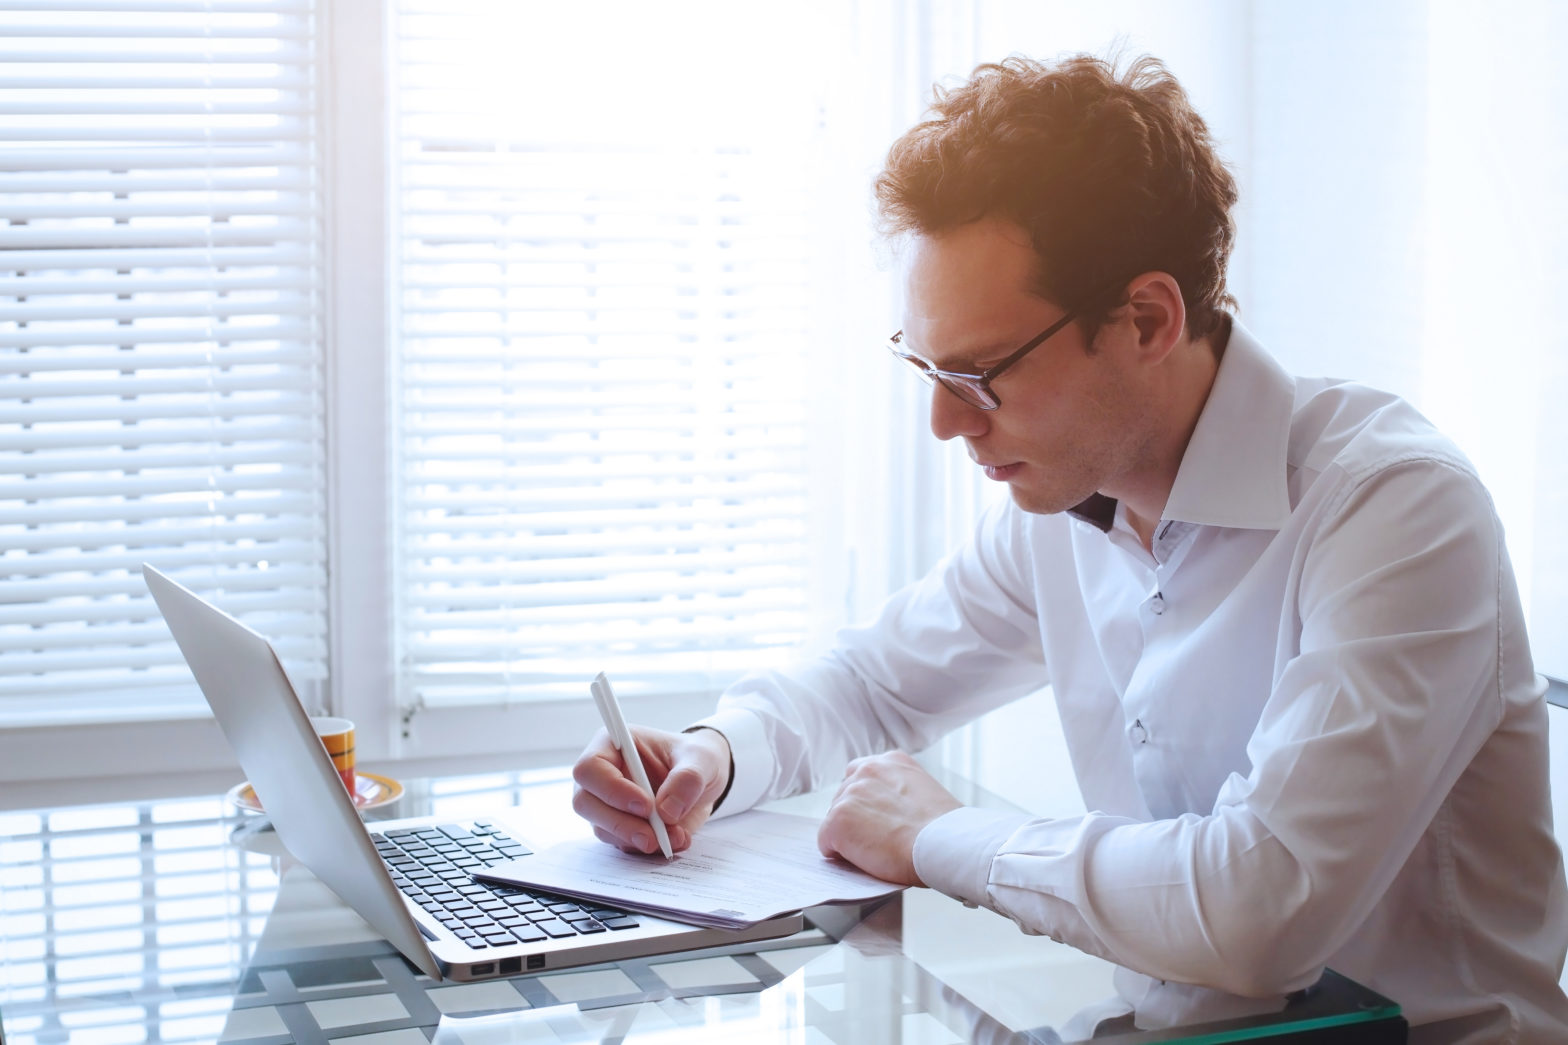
point(739, 871)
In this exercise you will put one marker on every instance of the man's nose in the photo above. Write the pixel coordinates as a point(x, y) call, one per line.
point(951, 416)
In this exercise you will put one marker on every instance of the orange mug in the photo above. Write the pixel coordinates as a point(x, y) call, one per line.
point(337, 736)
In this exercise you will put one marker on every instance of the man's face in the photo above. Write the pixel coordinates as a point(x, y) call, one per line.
point(1071, 423)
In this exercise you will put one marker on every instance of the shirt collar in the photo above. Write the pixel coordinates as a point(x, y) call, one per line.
point(1233, 472)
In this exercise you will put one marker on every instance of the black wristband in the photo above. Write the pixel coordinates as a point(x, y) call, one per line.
point(728, 783)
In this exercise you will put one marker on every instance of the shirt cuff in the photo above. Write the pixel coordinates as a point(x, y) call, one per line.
point(750, 756)
point(954, 852)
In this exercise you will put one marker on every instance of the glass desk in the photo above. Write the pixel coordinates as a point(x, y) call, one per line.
point(183, 921)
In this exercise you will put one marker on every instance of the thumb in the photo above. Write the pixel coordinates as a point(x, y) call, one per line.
point(690, 788)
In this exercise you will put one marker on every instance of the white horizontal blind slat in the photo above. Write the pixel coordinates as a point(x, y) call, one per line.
point(602, 403)
point(160, 354)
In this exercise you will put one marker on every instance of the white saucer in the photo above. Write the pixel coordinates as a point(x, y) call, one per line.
point(370, 792)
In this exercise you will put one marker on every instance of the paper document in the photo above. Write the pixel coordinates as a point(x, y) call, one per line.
point(739, 871)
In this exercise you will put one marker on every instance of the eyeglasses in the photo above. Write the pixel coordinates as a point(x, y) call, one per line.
point(974, 389)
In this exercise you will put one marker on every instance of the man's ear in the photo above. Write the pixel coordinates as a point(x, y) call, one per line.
point(1158, 314)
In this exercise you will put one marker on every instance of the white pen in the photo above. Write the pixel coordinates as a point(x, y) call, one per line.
point(621, 737)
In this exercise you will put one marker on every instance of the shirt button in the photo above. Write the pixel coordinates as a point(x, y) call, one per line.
point(1157, 604)
point(1139, 734)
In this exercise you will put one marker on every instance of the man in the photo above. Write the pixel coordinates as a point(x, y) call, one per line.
point(1276, 613)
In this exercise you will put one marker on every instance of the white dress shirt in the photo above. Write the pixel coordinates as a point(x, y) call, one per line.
point(1306, 725)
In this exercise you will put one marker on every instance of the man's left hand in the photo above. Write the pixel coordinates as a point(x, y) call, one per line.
point(883, 803)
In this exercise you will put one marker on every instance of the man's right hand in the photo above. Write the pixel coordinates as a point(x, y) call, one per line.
point(689, 771)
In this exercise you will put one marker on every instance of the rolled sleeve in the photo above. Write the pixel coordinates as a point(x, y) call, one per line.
point(953, 853)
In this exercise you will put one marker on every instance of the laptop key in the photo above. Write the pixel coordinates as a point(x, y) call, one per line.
point(434, 866)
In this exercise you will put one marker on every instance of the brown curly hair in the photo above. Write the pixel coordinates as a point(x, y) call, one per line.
point(1111, 174)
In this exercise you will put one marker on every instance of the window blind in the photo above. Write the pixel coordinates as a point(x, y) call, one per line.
point(160, 364)
point(601, 281)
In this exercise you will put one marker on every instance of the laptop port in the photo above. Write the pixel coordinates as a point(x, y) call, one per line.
point(535, 961)
point(482, 968)
point(511, 965)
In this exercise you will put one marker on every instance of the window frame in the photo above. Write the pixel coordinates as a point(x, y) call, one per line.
point(139, 751)
point(854, 566)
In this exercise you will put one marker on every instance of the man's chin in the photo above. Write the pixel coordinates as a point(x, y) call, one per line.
point(1040, 502)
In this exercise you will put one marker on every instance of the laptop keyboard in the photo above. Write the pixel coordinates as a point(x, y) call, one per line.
point(433, 866)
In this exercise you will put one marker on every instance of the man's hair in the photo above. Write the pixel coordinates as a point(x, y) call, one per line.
point(1110, 174)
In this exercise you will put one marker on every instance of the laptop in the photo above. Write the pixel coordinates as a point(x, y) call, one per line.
point(410, 879)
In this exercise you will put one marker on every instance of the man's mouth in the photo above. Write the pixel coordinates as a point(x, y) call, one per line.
point(1001, 472)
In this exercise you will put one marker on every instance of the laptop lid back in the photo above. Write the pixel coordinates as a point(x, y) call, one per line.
point(277, 747)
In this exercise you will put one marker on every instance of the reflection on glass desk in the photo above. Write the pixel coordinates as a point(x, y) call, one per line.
point(184, 922)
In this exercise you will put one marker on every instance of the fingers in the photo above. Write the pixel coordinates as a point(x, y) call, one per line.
point(679, 840)
point(679, 792)
point(683, 791)
point(606, 797)
point(825, 844)
point(697, 775)
point(683, 772)
point(624, 830)
point(601, 771)
point(882, 805)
